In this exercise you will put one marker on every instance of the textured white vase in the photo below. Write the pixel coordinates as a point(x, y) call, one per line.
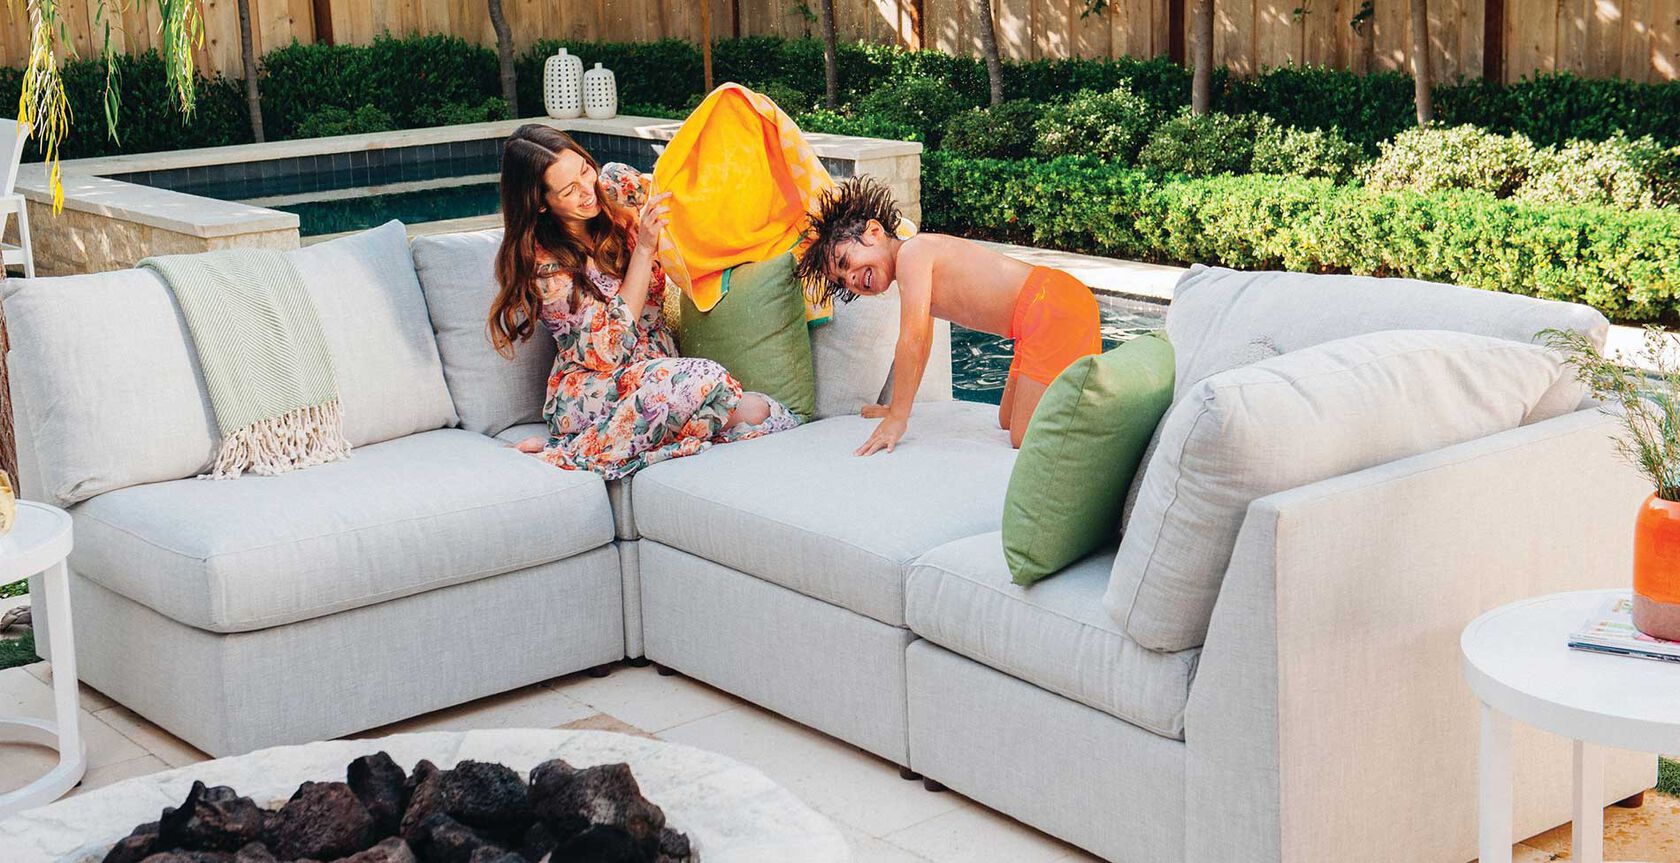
point(600, 93)
point(563, 86)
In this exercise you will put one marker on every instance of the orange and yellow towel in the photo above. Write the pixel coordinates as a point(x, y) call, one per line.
point(743, 182)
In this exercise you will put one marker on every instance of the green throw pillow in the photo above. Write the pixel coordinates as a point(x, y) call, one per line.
point(757, 332)
point(1082, 447)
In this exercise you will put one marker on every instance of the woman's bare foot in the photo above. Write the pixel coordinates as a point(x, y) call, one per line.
point(751, 410)
point(873, 412)
point(532, 445)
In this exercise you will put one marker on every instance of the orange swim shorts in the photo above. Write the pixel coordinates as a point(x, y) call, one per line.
point(1056, 322)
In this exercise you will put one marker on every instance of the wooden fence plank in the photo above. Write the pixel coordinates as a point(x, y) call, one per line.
point(1635, 39)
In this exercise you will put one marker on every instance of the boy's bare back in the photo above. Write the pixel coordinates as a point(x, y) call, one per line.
point(971, 285)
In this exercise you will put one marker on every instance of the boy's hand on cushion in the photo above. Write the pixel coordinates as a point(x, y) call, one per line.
point(873, 412)
point(885, 437)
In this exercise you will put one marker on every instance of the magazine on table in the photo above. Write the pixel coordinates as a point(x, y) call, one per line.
point(1611, 630)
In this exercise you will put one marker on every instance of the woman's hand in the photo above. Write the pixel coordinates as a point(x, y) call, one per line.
point(651, 222)
point(885, 437)
point(873, 412)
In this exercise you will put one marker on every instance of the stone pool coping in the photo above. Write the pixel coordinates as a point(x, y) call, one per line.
point(88, 189)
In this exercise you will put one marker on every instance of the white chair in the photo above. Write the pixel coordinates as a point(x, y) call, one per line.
point(12, 138)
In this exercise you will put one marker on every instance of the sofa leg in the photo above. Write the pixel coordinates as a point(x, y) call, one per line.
point(908, 774)
point(1633, 802)
point(931, 785)
point(639, 662)
point(663, 671)
point(601, 670)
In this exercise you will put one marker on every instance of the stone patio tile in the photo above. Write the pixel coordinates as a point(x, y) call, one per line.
point(973, 832)
point(21, 694)
point(93, 700)
point(534, 706)
point(868, 849)
point(644, 698)
point(145, 765)
point(603, 722)
point(838, 779)
point(160, 743)
point(1650, 833)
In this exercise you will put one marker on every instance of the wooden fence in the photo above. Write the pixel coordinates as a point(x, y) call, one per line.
point(1507, 39)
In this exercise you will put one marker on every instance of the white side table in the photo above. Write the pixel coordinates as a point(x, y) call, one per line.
point(1517, 662)
point(39, 544)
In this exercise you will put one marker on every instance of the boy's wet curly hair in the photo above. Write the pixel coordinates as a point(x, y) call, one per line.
point(843, 215)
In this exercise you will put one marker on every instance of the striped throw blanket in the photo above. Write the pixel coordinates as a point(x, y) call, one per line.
point(264, 357)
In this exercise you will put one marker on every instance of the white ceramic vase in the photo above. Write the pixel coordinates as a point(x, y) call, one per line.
point(563, 86)
point(600, 93)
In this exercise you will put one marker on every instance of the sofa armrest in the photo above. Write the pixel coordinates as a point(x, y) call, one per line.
point(1329, 719)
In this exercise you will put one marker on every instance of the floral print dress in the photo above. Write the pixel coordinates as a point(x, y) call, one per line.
point(619, 397)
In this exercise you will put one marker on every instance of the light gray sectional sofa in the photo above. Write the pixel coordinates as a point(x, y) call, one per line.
point(1321, 717)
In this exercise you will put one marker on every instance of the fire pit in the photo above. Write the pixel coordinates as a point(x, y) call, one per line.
point(723, 810)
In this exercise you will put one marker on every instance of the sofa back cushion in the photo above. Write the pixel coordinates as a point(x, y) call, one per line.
point(492, 393)
point(1295, 419)
point(852, 356)
point(110, 394)
point(1221, 319)
point(385, 359)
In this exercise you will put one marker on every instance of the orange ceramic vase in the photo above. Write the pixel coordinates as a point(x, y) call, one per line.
point(1656, 569)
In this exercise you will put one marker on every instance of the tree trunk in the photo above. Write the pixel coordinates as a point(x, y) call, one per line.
point(1422, 78)
point(988, 47)
point(504, 50)
point(253, 98)
point(706, 42)
point(1201, 57)
point(831, 57)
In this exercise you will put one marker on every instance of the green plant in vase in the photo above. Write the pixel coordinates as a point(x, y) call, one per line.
point(1645, 396)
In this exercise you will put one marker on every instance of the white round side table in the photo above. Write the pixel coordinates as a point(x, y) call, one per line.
point(38, 545)
point(1519, 665)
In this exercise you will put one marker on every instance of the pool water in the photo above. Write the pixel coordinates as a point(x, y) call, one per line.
point(980, 361)
point(425, 205)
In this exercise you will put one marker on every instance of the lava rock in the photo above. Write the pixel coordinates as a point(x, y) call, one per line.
point(572, 802)
point(492, 854)
point(539, 842)
point(190, 857)
point(211, 819)
point(392, 850)
point(256, 852)
point(442, 839)
point(381, 786)
point(136, 846)
point(424, 790)
point(674, 847)
point(323, 821)
point(605, 843)
point(487, 796)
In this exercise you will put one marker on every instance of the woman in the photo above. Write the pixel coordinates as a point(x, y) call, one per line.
point(577, 256)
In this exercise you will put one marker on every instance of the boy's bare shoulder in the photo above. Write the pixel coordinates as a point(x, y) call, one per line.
point(932, 247)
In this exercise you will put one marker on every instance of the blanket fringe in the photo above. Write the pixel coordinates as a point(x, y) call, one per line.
point(296, 439)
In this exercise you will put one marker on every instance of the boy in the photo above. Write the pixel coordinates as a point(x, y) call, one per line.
point(855, 251)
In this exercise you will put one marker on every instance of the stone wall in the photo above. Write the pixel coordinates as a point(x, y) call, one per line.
point(74, 241)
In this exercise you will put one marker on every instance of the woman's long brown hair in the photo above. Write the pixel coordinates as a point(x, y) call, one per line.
point(604, 238)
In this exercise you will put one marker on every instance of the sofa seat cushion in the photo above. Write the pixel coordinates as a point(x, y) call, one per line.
point(1054, 634)
point(618, 490)
point(800, 510)
point(397, 518)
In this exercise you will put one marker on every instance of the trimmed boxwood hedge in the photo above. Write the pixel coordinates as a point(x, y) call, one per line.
point(1624, 263)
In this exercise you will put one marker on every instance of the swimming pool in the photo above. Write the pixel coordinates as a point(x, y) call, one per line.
point(980, 361)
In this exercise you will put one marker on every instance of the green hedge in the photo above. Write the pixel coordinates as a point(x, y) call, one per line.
point(425, 80)
point(1624, 263)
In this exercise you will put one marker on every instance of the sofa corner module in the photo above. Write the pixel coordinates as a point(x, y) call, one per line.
point(1331, 666)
